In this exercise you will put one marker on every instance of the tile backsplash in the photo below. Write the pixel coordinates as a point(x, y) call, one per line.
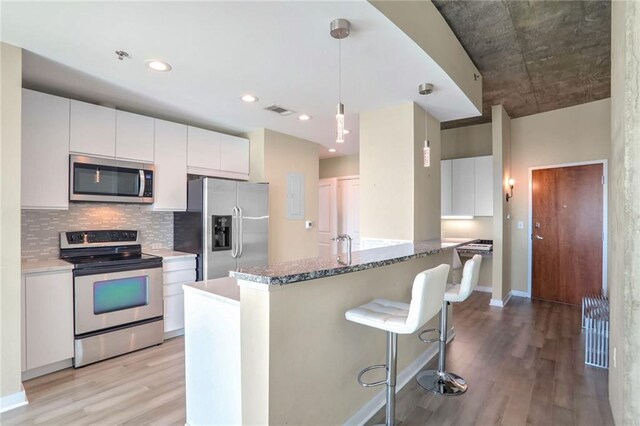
point(41, 228)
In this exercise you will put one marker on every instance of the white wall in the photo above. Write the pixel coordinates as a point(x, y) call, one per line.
point(422, 22)
point(10, 312)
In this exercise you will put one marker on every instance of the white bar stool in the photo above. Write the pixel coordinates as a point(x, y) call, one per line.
point(401, 318)
point(440, 381)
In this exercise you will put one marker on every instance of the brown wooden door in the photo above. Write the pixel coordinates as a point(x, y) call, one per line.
point(567, 233)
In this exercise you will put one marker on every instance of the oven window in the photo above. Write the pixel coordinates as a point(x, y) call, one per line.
point(119, 294)
point(91, 179)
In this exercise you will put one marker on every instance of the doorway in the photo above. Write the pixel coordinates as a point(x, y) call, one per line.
point(567, 232)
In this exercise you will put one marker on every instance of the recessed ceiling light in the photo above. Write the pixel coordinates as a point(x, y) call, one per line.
point(157, 65)
point(249, 98)
point(332, 150)
point(346, 131)
point(304, 117)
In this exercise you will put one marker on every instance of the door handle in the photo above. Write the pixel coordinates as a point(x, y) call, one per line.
point(142, 183)
point(234, 237)
point(538, 237)
point(240, 241)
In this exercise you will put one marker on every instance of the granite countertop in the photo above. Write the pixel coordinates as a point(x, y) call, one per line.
point(48, 265)
point(168, 254)
point(320, 267)
point(223, 289)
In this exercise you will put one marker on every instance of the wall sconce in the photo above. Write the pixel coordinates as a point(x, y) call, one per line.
point(510, 193)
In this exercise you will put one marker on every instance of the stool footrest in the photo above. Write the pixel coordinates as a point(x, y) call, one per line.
point(430, 330)
point(372, 367)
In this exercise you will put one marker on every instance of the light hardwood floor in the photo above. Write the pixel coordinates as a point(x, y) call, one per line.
point(523, 363)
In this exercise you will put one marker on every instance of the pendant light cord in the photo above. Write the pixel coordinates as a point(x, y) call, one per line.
point(339, 71)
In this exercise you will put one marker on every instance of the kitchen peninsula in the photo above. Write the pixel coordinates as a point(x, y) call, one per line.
point(298, 356)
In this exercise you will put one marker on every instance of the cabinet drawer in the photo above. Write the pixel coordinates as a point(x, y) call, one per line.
point(185, 276)
point(179, 264)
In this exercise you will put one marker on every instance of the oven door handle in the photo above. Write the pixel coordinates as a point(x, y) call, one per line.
point(142, 183)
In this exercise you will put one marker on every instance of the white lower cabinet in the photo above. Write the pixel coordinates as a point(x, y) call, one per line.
point(176, 272)
point(48, 318)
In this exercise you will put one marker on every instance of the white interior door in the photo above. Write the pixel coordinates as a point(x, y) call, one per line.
point(349, 210)
point(327, 217)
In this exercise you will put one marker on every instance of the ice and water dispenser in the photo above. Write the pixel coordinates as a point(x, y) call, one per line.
point(221, 233)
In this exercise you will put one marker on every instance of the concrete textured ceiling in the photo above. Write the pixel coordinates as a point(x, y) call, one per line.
point(534, 56)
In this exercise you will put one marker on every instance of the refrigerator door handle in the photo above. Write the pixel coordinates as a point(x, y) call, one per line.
point(240, 231)
point(234, 233)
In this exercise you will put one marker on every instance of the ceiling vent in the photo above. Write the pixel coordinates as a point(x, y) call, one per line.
point(279, 110)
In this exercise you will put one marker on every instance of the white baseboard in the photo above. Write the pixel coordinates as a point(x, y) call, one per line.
point(175, 333)
point(519, 293)
point(47, 369)
point(12, 401)
point(377, 402)
point(483, 289)
point(501, 303)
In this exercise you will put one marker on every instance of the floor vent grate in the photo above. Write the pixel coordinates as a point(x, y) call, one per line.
point(595, 322)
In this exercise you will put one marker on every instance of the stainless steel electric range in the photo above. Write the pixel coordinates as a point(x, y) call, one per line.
point(117, 291)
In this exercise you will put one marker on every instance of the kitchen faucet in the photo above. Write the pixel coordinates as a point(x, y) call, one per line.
point(348, 239)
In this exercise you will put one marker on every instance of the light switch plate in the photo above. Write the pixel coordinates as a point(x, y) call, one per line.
point(520, 224)
point(308, 224)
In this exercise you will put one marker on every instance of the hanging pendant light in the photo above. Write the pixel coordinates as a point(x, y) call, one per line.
point(340, 29)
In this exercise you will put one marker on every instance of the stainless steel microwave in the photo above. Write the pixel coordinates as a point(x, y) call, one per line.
point(111, 181)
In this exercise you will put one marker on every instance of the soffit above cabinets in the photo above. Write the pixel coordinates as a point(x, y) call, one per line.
point(279, 51)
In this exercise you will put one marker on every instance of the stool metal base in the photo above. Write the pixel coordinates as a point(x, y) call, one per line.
point(447, 384)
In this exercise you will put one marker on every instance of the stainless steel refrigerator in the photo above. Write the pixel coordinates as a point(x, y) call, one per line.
point(226, 224)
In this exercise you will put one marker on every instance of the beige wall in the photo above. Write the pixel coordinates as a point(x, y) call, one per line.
point(10, 133)
point(301, 356)
point(399, 198)
point(282, 154)
point(427, 186)
point(386, 173)
point(345, 165)
point(469, 141)
point(422, 22)
point(568, 135)
point(624, 211)
point(501, 140)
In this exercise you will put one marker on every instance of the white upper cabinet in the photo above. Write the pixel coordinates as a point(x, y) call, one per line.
point(467, 186)
point(216, 154)
point(134, 137)
point(483, 186)
point(203, 149)
point(45, 151)
point(445, 190)
point(93, 129)
point(170, 160)
point(462, 187)
point(234, 154)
